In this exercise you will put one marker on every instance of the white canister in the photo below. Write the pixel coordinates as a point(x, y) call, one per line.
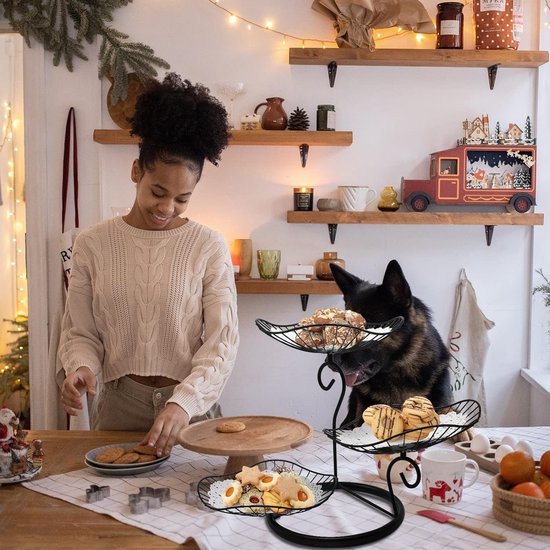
point(355, 198)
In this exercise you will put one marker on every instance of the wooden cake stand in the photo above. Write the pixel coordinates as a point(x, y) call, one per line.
point(263, 434)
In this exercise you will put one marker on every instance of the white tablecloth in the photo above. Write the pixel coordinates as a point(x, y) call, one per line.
point(341, 514)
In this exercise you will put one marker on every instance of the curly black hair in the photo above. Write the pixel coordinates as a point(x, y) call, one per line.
point(177, 121)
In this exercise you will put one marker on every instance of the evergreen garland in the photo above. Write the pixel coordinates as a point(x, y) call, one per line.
point(14, 366)
point(63, 25)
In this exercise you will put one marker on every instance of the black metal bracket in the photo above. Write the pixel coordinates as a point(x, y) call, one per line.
point(489, 234)
point(304, 150)
point(332, 227)
point(332, 68)
point(492, 72)
point(304, 298)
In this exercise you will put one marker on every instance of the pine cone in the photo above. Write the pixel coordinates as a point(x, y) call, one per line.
point(298, 120)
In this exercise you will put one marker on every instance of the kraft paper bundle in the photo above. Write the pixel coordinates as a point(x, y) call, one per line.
point(355, 21)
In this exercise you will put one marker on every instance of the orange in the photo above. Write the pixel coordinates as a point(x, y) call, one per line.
point(545, 488)
point(545, 463)
point(539, 478)
point(517, 467)
point(529, 489)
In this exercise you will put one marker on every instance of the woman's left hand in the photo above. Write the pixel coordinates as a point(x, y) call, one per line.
point(168, 424)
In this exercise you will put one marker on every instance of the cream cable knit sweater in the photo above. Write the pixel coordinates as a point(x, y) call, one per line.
point(153, 303)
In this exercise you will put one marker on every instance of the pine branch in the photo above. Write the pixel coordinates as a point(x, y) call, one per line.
point(63, 26)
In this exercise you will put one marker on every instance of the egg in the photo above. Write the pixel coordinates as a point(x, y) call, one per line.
point(524, 446)
point(509, 440)
point(480, 444)
point(502, 451)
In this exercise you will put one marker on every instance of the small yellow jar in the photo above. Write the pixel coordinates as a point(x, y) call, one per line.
point(388, 200)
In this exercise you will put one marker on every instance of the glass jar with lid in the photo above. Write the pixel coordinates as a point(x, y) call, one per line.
point(450, 24)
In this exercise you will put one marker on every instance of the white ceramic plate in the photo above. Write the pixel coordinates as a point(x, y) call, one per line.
point(29, 474)
point(127, 469)
point(91, 455)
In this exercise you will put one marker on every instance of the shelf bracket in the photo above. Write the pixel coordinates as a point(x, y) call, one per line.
point(489, 234)
point(332, 227)
point(492, 72)
point(332, 68)
point(304, 298)
point(304, 150)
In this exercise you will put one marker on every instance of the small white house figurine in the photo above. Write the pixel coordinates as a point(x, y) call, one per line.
point(251, 122)
point(477, 132)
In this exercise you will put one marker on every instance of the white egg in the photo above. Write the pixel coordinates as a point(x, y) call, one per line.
point(524, 446)
point(480, 444)
point(502, 451)
point(509, 440)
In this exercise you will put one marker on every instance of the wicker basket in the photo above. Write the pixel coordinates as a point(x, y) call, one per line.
point(519, 511)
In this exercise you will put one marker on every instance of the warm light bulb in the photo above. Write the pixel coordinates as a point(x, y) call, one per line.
point(419, 37)
point(15, 123)
point(378, 35)
point(249, 27)
point(232, 19)
point(284, 40)
point(18, 226)
point(269, 25)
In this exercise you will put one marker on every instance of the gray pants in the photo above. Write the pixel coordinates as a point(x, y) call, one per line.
point(127, 405)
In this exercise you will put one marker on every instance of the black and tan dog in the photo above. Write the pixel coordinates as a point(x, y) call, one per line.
point(413, 360)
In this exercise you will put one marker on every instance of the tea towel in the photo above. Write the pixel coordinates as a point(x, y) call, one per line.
point(468, 345)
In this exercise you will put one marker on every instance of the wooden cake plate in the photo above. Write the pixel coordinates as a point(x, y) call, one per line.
point(262, 434)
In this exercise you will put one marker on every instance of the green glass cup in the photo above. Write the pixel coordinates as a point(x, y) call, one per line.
point(268, 263)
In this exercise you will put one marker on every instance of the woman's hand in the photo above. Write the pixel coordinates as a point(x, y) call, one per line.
point(79, 382)
point(168, 424)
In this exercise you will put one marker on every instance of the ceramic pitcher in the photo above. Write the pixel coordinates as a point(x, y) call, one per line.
point(274, 117)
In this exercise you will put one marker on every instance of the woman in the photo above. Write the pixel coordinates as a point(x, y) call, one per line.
point(151, 307)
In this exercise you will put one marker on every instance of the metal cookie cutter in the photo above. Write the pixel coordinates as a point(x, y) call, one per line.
point(147, 499)
point(96, 493)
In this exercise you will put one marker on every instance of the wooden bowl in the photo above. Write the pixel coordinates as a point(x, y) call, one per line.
point(518, 511)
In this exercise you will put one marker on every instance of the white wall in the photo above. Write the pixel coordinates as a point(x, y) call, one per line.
point(398, 116)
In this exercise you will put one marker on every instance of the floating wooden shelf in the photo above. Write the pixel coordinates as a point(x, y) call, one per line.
point(283, 286)
point(303, 139)
point(247, 137)
point(488, 219)
point(489, 59)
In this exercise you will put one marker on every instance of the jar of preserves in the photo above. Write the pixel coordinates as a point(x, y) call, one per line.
point(450, 24)
point(326, 118)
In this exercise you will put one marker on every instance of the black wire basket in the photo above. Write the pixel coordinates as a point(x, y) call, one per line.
point(329, 337)
point(323, 486)
point(469, 411)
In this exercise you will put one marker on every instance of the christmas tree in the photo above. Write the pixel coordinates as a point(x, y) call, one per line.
point(14, 366)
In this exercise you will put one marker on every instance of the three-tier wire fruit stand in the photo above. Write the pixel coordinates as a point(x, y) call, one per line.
point(344, 339)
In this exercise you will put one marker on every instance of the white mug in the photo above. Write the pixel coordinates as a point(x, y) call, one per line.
point(355, 198)
point(401, 467)
point(443, 473)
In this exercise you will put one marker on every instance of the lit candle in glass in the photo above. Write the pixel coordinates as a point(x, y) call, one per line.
point(303, 198)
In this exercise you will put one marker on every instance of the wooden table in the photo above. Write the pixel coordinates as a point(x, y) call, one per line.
point(31, 520)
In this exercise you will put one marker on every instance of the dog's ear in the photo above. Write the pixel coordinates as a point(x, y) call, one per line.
point(395, 283)
point(344, 279)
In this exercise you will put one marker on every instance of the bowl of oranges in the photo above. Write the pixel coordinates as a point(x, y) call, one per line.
point(521, 492)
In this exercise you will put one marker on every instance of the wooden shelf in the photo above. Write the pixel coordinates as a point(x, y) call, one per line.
point(418, 57)
point(487, 219)
point(283, 286)
point(491, 60)
point(417, 218)
point(247, 137)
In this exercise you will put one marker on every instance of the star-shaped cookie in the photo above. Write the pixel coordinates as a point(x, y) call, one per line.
point(287, 487)
point(249, 475)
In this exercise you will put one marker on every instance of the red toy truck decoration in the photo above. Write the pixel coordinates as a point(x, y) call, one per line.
point(476, 175)
point(484, 168)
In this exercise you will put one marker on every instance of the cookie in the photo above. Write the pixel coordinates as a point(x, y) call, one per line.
point(231, 426)
point(108, 456)
point(387, 422)
point(127, 458)
point(419, 407)
point(368, 414)
point(146, 458)
point(145, 450)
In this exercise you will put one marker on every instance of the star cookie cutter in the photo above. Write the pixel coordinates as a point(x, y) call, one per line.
point(148, 498)
point(95, 493)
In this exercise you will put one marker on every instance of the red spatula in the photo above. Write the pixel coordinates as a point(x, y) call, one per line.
point(442, 517)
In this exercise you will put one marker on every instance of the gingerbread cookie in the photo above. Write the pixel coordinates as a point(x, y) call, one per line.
point(230, 426)
point(145, 450)
point(127, 458)
point(108, 456)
